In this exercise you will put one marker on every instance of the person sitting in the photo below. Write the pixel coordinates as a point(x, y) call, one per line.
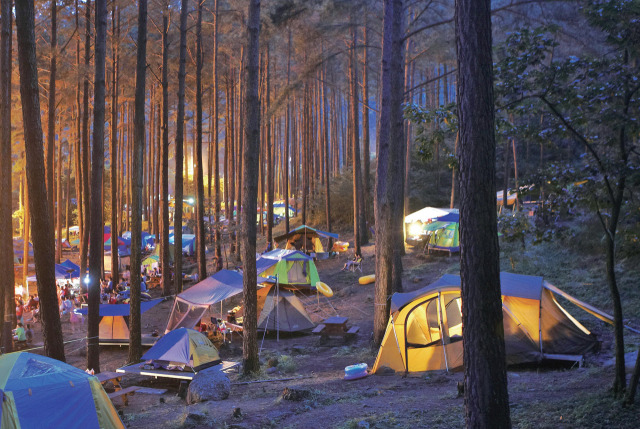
point(143, 285)
point(113, 299)
point(19, 334)
point(203, 328)
point(353, 263)
point(28, 333)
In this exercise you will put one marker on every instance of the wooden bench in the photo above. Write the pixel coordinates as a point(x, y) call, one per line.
point(318, 329)
point(351, 333)
point(124, 394)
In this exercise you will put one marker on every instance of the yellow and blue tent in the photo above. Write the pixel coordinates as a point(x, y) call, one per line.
point(37, 391)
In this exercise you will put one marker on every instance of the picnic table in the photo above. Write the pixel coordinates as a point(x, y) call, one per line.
point(336, 326)
point(113, 377)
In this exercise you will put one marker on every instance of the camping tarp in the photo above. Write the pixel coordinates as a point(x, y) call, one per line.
point(188, 243)
point(37, 391)
point(74, 270)
point(190, 305)
point(425, 214)
point(221, 285)
point(425, 328)
point(184, 347)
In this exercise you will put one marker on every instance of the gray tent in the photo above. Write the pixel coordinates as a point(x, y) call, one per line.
point(288, 315)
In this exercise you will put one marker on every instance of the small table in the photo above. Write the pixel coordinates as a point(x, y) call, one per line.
point(335, 325)
point(113, 377)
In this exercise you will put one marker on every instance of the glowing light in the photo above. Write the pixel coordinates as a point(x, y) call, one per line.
point(87, 280)
point(415, 229)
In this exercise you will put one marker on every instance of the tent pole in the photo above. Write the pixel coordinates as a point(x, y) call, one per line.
point(277, 308)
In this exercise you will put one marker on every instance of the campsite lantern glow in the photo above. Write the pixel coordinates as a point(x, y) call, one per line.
point(87, 280)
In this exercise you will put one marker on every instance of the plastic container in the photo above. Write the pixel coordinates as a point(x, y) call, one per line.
point(354, 372)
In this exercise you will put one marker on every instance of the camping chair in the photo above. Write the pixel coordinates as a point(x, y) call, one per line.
point(356, 265)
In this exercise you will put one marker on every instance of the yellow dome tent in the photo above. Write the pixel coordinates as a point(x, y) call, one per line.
point(424, 332)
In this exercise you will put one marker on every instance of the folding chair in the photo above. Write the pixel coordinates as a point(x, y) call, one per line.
point(356, 265)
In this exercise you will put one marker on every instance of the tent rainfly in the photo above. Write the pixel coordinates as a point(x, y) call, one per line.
point(305, 238)
point(37, 391)
point(184, 348)
point(444, 233)
point(292, 267)
point(280, 310)
point(424, 332)
point(190, 305)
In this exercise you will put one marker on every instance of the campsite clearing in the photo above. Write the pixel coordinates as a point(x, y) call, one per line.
point(544, 396)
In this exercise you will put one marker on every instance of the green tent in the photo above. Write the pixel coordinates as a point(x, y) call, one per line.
point(444, 233)
point(156, 253)
point(292, 267)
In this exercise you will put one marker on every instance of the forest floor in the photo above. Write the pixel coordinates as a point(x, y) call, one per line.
point(546, 396)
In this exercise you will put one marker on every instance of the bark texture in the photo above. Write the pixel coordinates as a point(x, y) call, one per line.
point(135, 329)
point(97, 168)
point(179, 156)
point(42, 226)
point(6, 222)
point(389, 177)
point(485, 378)
point(251, 362)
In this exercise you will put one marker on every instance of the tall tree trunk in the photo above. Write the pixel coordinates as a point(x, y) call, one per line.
point(270, 163)
point(251, 362)
point(26, 237)
point(327, 190)
point(42, 227)
point(135, 338)
point(216, 169)
point(179, 156)
point(200, 234)
point(67, 201)
point(113, 155)
point(51, 111)
point(58, 205)
point(359, 222)
point(85, 143)
point(97, 167)
point(389, 177)
point(453, 174)
point(164, 231)
point(286, 142)
point(78, 144)
point(485, 377)
point(6, 222)
point(366, 177)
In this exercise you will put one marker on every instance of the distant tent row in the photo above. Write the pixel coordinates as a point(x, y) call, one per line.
point(425, 327)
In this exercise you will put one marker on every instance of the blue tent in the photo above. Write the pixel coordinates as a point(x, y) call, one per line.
point(72, 269)
point(37, 391)
point(184, 347)
point(188, 243)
